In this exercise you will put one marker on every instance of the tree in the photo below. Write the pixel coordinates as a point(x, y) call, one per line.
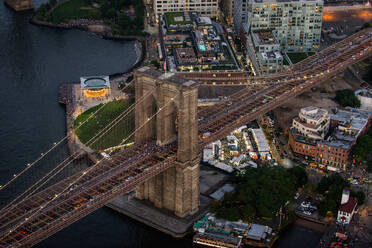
point(368, 76)
point(359, 195)
point(259, 193)
point(309, 189)
point(324, 184)
point(300, 175)
point(362, 150)
point(111, 13)
point(52, 2)
point(347, 98)
point(332, 188)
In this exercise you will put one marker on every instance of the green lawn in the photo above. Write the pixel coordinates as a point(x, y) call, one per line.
point(105, 116)
point(74, 9)
point(297, 57)
point(170, 18)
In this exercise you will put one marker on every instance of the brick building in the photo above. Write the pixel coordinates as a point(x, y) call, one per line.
point(334, 149)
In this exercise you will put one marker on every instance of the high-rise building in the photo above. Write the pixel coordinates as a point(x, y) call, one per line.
point(203, 7)
point(295, 24)
point(263, 50)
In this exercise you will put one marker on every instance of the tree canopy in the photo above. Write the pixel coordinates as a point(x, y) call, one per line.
point(347, 98)
point(259, 193)
point(368, 76)
point(116, 13)
point(331, 187)
point(362, 150)
point(300, 175)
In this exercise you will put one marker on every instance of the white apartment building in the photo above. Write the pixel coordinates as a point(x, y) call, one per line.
point(204, 7)
point(295, 24)
point(312, 122)
point(347, 209)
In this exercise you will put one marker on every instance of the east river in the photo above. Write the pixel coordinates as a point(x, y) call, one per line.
point(33, 62)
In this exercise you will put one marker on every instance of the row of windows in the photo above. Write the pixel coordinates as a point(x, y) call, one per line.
point(335, 152)
point(304, 151)
point(168, 7)
point(202, 1)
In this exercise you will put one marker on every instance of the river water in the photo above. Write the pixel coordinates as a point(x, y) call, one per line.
point(33, 61)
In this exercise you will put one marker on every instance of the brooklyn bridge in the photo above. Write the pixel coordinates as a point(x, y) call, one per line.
point(170, 133)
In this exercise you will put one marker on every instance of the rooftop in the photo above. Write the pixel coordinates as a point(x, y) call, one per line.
point(219, 237)
point(218, 194)
point(352, 118)
point(95, 82)
point(257, 232)
point(364, 93)
point(349, 206)
point(166, 77)
point(194, 43)
point(314, 113)
point(271, 55)
point(177, 18)
point(284, 1)
point(265, 38)
point(334, 142)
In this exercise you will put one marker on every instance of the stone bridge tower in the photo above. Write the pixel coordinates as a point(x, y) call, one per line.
point(20, 5)
point(176, 189)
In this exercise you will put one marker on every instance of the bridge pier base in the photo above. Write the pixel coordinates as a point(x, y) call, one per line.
point(20, 5)
point(176, 189)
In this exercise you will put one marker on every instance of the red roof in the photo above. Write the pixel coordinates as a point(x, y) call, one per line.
point(349, 206)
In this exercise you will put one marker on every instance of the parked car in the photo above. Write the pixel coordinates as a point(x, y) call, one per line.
point(297, 196)
point(366, 180)
point(301, 209)
point(307, 212)
point(354, 182)
point(305, 204)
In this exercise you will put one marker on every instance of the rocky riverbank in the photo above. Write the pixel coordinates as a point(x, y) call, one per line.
point(67, 91)
point(97, 27)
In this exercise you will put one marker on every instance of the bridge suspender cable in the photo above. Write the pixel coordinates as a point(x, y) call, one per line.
point(29, 165)
point(73, 156)
point(5, 212)
point(83, 173)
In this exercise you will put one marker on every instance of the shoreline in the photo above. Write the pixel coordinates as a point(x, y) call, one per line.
point(103, 34)
point(66, 89)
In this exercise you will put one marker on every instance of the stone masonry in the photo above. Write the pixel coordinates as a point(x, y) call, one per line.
point(176, 189)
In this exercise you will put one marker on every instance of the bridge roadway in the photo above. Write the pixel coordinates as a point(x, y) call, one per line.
point(39, 216)
point(243, 78)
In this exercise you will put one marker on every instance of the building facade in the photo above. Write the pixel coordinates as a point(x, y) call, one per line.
point(348, 207)
point(263, 50)
point(296, 24)
point(204, 7)
point(95, 87)
point(312, 122)
point(365, 98)
point(334, 149)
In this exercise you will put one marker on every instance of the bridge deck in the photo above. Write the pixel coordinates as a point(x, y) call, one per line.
point(41, 215)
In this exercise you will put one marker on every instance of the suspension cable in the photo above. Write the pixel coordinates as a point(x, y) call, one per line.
point(84, 173)
point(89, 142)
point(56, 144)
